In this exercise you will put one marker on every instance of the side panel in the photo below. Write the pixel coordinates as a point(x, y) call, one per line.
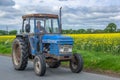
point(33, 44)
point(54, 49)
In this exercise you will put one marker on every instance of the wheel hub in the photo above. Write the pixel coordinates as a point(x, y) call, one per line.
point(37, 66)
point(16, 54)
point(74, 63)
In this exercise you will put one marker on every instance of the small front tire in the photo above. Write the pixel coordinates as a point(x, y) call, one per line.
point(76, 63)
point(39, 65)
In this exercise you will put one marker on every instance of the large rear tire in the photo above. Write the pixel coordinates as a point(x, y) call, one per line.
point(54, 64)
point(19, 54)
point(40, 65)
point(76, 63)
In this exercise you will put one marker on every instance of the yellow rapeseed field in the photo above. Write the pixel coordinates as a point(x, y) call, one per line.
point(107, 43)
point(104, 35)
point(6, 38)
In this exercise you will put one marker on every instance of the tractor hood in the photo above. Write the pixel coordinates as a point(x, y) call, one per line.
point(57, 38)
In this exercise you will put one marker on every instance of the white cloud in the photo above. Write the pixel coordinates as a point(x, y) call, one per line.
point(116, 17)
point(2, 13)
point(16, 6)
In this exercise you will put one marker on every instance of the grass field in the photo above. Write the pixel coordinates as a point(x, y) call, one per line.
point(5, 44)
point(99, 51)
point(99, 62)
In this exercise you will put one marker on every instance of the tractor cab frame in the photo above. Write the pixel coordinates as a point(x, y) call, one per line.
point(49, 21)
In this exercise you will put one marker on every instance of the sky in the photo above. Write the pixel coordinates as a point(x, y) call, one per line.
point(76, 14)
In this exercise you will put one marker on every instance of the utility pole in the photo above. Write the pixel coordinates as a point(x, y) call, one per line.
point(7, 29)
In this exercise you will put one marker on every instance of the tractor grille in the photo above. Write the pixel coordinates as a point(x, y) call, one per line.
point(65, 48)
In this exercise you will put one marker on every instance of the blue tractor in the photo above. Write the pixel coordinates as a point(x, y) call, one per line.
point(44, 45)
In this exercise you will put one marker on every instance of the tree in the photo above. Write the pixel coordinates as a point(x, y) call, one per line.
point(98, 31)
point(81, 31)
point(13, 32)
point(118, 30)
point(90, 30)
point(3, 32)
point(112, 27)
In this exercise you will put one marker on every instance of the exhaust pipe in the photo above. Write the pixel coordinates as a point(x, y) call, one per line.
point(60, 14)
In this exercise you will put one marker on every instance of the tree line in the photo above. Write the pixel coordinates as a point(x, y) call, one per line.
point(110, 28)
point(12, 32)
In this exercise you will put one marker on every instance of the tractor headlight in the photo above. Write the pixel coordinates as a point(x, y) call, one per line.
point(65, 48)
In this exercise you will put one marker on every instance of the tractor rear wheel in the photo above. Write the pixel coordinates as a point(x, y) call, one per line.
point(54, 64)
point(76, 63)
point(19, 54)
point(40, 65)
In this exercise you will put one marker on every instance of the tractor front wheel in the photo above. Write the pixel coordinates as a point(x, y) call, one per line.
point(39, 65)
point(76, 63)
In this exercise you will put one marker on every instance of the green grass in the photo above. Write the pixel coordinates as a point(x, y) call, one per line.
point(5, 49)
point(101, 61)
